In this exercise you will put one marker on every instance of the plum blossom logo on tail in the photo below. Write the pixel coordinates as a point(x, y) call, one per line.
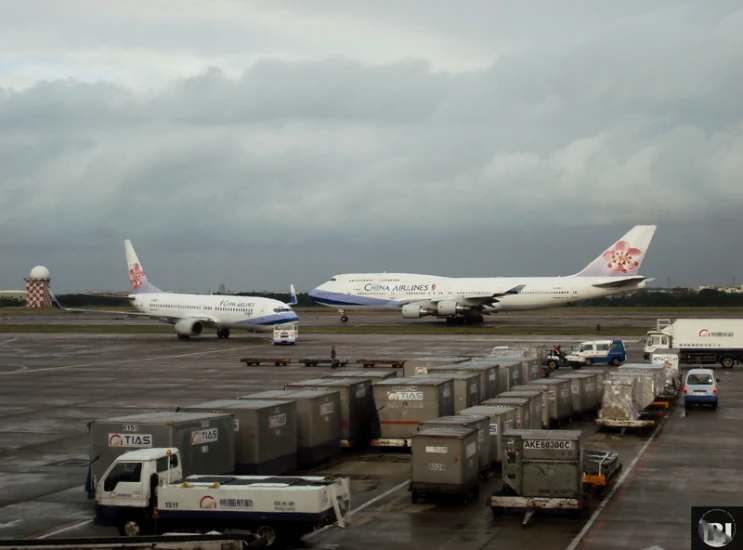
point(622, 258)
point(136, 276)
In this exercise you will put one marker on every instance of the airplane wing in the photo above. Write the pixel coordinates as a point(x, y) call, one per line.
point(629, 281)
point(56, 304)
point(474, 300)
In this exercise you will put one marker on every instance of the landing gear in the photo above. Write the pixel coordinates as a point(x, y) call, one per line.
point(183, 337)
point(223, 333)
point(467, 320)
point(344, 317)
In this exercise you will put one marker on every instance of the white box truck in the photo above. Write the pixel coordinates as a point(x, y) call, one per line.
point(698, 341)
point(286, 335)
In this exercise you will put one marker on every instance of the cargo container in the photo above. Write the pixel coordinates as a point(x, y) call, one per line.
point(488, 377)
point(601, 374)
point(375, 375)
point(403, 403)
point(673, 375)
point(510, 373)
point(420, 365)
point(265, 433)
point(531, 369)
point(620, 401)
point(318, 422)
point(646, 391)
point(206, 440)
point(466, 387)
point(479, 422)
point(560, 399)
point(522, 406)
point(359, 421)
point(658, 371)
point(541, 470)
point(583, 391)
point(501, 418)
point(444, 461)
point(538, 411)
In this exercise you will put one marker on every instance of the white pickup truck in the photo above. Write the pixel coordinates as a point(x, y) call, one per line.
point(142, 493)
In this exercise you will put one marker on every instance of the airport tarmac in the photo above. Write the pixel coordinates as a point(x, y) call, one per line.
point(51, 385)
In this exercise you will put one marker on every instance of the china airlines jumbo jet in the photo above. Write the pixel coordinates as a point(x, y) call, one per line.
point(192, 313)
point(467, 299)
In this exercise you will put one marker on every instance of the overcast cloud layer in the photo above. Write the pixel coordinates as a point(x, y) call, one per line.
point(263, 143)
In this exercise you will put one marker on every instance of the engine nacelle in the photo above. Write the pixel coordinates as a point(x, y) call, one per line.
point(189, 327)
point(449, 307)
point(414, 311)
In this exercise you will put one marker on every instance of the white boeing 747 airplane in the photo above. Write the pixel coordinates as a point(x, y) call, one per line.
point(467, 299)
point(192, 313)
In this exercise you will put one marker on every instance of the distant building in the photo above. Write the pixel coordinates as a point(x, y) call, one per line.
point(19, 295)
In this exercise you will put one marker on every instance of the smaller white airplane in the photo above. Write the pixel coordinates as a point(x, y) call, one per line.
point(192, 313)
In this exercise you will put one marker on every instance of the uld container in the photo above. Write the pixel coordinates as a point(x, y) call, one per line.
point(265, 433)
point(531, 369)
point(403, 403)
point(501, 418)
point(420, 365)
point(601, 375)
point(544, 464)
point(559, 398)
point(444, 461)
point(488, 377)
point(466, 387)
point(481, 423)
point(375, 375)
point(522, 406)
point(206, 441)
point(318, 422)
point(358, 414)
point(583, 391)
point(538, 411)
point(510, 373)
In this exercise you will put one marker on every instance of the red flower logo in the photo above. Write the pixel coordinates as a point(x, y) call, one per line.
point(622, 258)
point(136, 276)
point(433, 286)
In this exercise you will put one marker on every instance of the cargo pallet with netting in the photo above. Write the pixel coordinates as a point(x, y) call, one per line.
point(600, 470)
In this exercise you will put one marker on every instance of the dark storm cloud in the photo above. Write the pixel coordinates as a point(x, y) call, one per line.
point(521, 141)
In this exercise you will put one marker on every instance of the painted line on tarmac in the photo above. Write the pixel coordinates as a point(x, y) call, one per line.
point(64, 529)
point(120, 361)
point(369, 503)
point(579, 537)
point(8, 341)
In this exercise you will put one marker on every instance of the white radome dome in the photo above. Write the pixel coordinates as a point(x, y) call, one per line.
point(39, 272)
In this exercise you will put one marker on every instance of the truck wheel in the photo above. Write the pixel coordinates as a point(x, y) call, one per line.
point(267, 532)
point(727, 362)
point(552, 365)
point(130, 528)
point(589, 362)
point(616, 361)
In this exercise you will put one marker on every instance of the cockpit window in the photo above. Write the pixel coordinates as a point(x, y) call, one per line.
point(332, 279)
point(281, 309)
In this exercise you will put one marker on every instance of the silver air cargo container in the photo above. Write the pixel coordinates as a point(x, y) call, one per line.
point(318, 422)
point(544, 469)
point(265, 433)
point(646, 391)
point(531, 369)
point(358, 414)
point(583, 390)
point(601, 374)
point(420, 365)
point(538, 411)
point(479, 422)
point(559, 400)
point(510, 373)
point(403, 403)
point(659, 373)
point(522, 406)
point(488, 377)
point(375, 375)
point(206, 441)
point(444, 461)
point(466, 387)
point(501, 419)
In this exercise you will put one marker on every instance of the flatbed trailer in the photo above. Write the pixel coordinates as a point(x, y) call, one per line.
point(255, 361)
point(463, 491)
point(368, 363)
point(501, 502)
point(178, 541)
point(316, 362)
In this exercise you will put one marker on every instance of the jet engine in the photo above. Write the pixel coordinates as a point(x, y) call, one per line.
point(450, 307)
point(414, 311)
point(189, 327)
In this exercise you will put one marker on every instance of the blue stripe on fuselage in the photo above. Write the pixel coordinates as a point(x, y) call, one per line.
point(337, 299)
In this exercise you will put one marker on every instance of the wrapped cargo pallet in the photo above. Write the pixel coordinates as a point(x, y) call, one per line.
point(620, 399)
point(646, 392)
point(659, 373)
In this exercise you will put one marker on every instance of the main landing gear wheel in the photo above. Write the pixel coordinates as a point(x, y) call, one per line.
point(223, 333)
point(344, 319)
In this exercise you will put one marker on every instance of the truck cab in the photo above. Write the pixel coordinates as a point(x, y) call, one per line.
point(609, 352)
point(285, 334)
point(656, 341)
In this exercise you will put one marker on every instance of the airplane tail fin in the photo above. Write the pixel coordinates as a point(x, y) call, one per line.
point(624, 257)
point(137, 277)
point(293, 294)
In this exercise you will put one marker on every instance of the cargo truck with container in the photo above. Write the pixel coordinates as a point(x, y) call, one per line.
point(144, 492)
point(698, 341)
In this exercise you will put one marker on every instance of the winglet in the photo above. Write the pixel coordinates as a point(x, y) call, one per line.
point(293, 294)
point(624, 257)
point(137, 277)
point(55, 302)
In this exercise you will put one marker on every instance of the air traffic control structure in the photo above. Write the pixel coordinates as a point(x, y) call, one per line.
point(38, 285)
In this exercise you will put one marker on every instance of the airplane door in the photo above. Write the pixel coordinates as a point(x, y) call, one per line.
point(574, 292)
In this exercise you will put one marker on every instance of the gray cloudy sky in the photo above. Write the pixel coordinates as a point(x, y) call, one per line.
point(263, 143)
